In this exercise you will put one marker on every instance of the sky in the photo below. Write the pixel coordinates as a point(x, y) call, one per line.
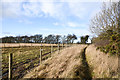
point(30, 17)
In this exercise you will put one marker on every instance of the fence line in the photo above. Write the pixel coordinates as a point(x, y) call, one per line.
point(41, 55)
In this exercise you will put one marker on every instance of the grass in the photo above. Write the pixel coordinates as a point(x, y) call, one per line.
point(24, 59)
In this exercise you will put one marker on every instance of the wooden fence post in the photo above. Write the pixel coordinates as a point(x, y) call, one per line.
point(40, 55)
point(31, 44)
point(62, 45)
point(58, 47)
point(4, 45)
point(51, 50)
point(19, 44)
point(66, 45)
point(10, 66)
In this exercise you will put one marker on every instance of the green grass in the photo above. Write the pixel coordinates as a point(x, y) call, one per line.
point(24, 59)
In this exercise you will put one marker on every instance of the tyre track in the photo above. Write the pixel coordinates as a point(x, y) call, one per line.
point(84, 72)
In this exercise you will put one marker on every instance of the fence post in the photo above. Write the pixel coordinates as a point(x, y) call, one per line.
point(62, 46)
point(51, 49)
point(10, 66)
point(19, 44)
point(66, 45)
point(40, 55)
point(31, 44)
point(4, 45)
point(58, 48)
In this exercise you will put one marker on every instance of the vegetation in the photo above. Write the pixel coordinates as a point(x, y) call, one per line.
point(84, 39)
point(24, 59)
point(38, 38)
point(106, 25)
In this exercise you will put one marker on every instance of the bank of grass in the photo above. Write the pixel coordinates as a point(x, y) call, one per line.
point(102, 65)
point(69, 63)
point(24, 59)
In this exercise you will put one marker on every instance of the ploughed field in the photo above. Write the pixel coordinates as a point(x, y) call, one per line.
point(24, 59)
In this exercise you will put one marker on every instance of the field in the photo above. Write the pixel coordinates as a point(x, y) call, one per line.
point(25, 44)
point(24, 59)
point(79, 61)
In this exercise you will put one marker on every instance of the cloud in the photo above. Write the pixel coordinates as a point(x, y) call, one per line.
point(56, 23)
point(60, 0)
point(71, 24)
point(38, 8)
point(32, 9)
point(64, 13)
point(25, 21)
point(77, 9)
point(10, 9)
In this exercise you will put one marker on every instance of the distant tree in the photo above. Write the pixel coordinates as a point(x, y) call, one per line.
point(73, 37)
point(69, 38)
point(64, 39)
point(78, 42)
point(84, 39)
point(58, 38)
point(50, 39)
point(31, 39)
point(38, 38)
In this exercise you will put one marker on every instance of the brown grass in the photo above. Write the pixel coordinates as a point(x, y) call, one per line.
point(103, 65)
point(71, 63)
point(62, 64)
point(24, 44)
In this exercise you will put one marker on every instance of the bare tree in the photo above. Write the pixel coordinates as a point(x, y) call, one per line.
point(106, 19)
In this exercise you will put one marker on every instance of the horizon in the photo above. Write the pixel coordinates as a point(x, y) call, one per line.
point(44, 17)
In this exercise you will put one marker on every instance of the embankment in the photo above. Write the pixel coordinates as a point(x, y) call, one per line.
point(80, 61)
point(68, 63)
point(102, 65)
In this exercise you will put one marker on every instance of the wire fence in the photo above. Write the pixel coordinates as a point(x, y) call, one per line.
point(17, 61)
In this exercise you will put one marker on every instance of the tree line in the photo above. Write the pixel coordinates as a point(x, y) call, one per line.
point(50, 39)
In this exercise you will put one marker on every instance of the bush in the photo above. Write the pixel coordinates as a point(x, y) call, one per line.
point(112, 46)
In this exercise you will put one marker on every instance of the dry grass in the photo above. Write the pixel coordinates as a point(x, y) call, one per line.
point(71, 63)
point(103, 65)
point(24, 44)
point(60, 65)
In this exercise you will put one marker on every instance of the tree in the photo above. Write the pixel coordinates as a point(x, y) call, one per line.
point(71, 38)
point(84, 39)
point(106, 19)
point(38, 38)
point(50, 39)
point(58, 38)
point(31, 39)
point(64, 39)
point(106, 25)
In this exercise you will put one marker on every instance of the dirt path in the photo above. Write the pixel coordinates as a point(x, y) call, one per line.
point(71, 63)
point(68, 63)
point(85, 72)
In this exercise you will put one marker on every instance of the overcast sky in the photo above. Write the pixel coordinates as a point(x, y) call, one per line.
point(47, 17)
